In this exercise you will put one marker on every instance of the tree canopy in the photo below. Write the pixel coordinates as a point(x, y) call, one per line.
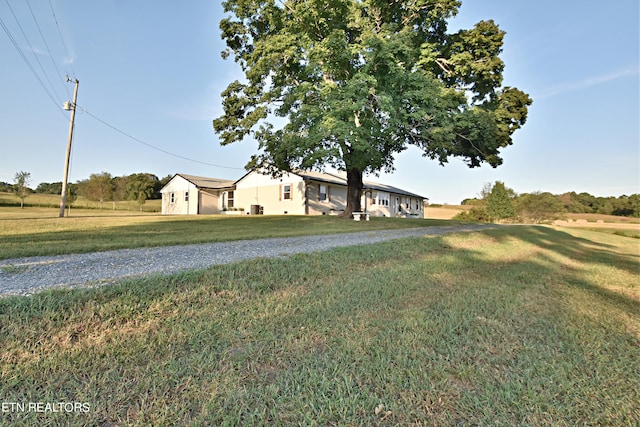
point(98, 187)
point(358, 81)
point(141, 187)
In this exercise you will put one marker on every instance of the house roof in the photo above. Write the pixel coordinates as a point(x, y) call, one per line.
point(388, 188)
point(205, 182)
point(322, 177)
point(341, 179)
point(329, 178)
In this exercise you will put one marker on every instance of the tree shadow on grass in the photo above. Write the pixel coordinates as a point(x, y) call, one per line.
point(506, 325)
point(433, 331)
point(585, 251)
point(573, 247)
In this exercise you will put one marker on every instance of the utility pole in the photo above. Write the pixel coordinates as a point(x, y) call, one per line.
point(68, 107)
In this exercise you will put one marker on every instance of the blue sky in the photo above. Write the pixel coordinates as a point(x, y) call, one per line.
point(153, 71)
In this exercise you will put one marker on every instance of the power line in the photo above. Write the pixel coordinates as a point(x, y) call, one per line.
point(32, 49)
point(64, 45)
point(154, 147)
point(66, 88)
point(26, 61)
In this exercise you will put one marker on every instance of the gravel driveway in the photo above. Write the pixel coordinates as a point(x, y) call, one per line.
point(25, 276)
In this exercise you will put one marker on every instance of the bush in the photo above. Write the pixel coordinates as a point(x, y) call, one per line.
point(539, 207)
point(474, 214)
point(499, 205)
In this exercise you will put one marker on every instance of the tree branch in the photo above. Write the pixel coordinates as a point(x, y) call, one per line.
point(472, 144)
point(444, 64)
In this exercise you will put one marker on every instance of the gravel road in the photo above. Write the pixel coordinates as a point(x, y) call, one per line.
point(25, 276)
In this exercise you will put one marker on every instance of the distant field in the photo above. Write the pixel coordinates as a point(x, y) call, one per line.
point(444, 211)
point(53, 201)
point(603, 218)
point(577, 220)
point(621, 226)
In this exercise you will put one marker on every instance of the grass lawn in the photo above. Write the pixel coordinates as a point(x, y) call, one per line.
point(33, 231)
point(627, 233)
point(511, 326)
point(37, 200)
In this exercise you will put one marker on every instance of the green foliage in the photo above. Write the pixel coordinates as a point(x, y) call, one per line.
point(120, 187)
point(141, 186)
point(72, 193)
point(103, 187)
point(498, 204)
point(21, 186)
point(541, 207)
point(49, 188)
point(477, 213)
point(360, 81)
point(587, 203)
point(99, 187)
point(471, 202)
point(538, 207)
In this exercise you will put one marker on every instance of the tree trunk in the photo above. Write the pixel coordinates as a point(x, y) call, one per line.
point(354, 192)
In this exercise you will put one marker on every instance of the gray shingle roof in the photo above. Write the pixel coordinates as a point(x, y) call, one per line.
point(340, 179)
point(205, 182)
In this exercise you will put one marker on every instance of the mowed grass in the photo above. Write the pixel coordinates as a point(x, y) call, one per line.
point(511, 326)
point(38, 200)
point(33, 232)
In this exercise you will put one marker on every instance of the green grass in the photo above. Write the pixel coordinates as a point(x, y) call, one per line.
point(38, 200)
point(618, 232)
point(32, 232)
point(512, 326)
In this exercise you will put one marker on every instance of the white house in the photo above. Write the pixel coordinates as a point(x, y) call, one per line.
point(293, 193)
point(189, 194)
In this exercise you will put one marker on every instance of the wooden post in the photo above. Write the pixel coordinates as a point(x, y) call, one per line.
point(63, 193)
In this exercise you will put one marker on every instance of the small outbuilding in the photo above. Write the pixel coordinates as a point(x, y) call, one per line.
point(189, 194)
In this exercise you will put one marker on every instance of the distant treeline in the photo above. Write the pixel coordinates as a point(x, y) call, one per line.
point(502, 202)
point(102, 188)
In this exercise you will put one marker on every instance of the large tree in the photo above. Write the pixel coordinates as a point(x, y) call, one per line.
point(141, 187)
point(358, 81)
point(99, 187)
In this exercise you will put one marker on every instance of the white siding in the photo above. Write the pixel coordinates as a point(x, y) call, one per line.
point(263, 190)
point(256, 189)
point(179, 197)
point(334, 203)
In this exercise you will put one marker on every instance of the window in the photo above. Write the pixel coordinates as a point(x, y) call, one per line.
point(380, 198)
point(286, 192)
point(172, 199)
point(230, 198)
point(186, 196)
point(322, 196)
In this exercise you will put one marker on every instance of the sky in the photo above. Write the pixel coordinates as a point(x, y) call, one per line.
point(150, 77)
